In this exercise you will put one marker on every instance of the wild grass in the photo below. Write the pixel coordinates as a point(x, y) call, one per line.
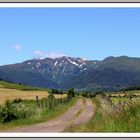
point(122, 119)
point(36, 115)
point(108, 119)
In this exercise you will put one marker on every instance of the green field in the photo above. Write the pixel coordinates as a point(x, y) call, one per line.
point(116, 100)
point(8, 85)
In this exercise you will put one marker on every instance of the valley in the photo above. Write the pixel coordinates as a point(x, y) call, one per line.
point(70, 95)
point(21, 111)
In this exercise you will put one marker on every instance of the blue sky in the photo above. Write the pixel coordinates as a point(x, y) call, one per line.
point(92, 33)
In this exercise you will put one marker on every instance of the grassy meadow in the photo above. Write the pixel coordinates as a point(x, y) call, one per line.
point(9, 85)
point(9, 94)
point(113, 115)
point(10, 91)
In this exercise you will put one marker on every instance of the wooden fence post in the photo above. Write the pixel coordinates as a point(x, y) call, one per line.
point(37, 101)
point(52, 103)
point(46, 103)
point(49, 104)
point(42, 104)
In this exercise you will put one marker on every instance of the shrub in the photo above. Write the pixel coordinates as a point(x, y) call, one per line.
point(51, 96)
point(7, 112)
point(15, 109)
point(19, 100)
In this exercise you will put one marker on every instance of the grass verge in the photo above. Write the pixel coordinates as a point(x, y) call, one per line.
point(106, 119)
point(38, 118)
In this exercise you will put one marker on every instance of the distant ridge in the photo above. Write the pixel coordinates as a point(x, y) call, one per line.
point(112, 73)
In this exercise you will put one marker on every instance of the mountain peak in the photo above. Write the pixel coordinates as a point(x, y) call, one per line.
point(67, 72)
point(109, 58)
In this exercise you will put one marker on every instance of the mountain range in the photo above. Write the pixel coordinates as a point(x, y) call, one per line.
point(112, 73)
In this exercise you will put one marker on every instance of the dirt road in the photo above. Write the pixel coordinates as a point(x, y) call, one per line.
point(78, 114)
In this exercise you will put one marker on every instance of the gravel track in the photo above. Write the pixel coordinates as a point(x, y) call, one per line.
point(65, 120)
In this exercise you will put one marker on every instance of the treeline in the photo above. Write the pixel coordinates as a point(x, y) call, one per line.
point(131, 88)
point(56, 91)
point(70, 92)
point(91, 95)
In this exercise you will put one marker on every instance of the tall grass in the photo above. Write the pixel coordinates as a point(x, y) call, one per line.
point(26, 112)
point(121, 119)
point(16, 109)
point(107, 119)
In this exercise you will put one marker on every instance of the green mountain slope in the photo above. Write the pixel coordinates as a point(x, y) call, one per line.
point(113, 73)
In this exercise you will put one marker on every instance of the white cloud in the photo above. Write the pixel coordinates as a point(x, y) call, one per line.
point(54, 54)
point(17, 47)
point(41, 54)
point(38, 53)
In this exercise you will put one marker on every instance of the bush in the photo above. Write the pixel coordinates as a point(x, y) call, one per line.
point(14, 110)
point(51, 96)
point(7, 112)
point(19, 100)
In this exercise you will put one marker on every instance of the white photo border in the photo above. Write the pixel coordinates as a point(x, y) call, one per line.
point(70, 5)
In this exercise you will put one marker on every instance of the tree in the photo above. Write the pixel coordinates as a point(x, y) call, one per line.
point(55, 91)
point(71, 92)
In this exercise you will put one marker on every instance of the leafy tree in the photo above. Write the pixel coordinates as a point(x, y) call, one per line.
point(71, 92)
point(55, 91)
